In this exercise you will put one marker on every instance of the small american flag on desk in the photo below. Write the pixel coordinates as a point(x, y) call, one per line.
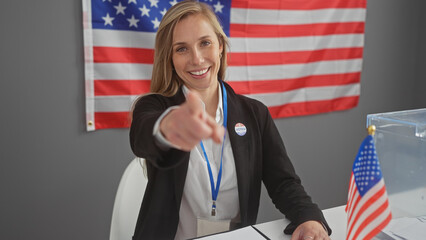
point(368, 210)
point(298, 57)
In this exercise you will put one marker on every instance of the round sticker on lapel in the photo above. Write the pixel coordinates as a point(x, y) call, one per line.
point(240, 129)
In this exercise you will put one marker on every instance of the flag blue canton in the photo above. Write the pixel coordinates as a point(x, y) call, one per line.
point(366, 168)
point(145, 15)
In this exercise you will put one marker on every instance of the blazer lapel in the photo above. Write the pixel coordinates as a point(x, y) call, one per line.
point(240, 146)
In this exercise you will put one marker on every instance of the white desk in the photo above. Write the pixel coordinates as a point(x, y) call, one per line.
point(336, 219)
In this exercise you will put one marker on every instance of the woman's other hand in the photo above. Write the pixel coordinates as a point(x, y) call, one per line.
point(310, 230)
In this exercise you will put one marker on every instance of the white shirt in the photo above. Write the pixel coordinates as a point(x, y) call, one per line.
point(197, 196)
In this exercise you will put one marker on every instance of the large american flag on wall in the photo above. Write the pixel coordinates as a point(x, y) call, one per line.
point(298, 57)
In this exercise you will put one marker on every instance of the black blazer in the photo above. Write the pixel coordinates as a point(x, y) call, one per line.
point(259, 156)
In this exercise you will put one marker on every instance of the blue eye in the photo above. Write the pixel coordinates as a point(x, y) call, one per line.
point(181, 49)
point(205, 43)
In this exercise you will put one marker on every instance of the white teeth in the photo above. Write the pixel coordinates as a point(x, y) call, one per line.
point(198, 73)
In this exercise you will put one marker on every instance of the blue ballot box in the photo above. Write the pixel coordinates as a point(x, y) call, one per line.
point(400, 141)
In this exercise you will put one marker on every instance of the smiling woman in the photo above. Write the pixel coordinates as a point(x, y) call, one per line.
point(164, 79)
point(196, 57)
point(207, 148)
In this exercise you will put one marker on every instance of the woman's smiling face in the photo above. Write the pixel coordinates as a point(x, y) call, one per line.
point(196, 53)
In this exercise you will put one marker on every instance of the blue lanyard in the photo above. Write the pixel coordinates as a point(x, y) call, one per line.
point(215, 190)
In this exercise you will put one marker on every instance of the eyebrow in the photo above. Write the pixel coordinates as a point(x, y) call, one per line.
point(182, 43)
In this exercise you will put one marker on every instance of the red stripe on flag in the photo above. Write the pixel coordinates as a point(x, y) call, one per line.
point(270, 31)
point(121, 87)
point(278, 58)
point(370, 219)
point(282, 85)
point(351, 193)
point(112, 120)
point(313, 107)
point(364, 207)
point(122, 55)
point(357, 200)
point(296, 4)
point(379, 227)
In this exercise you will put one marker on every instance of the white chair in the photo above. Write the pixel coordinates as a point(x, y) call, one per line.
point(128, 200)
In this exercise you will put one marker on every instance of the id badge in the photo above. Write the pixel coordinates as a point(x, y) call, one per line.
point(206, 227)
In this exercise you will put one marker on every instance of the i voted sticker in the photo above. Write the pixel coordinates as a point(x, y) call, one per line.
point(240, 129)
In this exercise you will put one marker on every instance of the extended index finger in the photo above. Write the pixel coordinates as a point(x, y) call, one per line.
point(193, 102)
point(217, 130)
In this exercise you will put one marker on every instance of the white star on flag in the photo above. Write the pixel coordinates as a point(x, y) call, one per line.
point(156, 23)
point(173, 3)
point(133, 21)
point(218, 7)
point(120, 9)
point(163, 12)
point(132, 1)
point(108, 19)
point(144, 10)
point(154, 3)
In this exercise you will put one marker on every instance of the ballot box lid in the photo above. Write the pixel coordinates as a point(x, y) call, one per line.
point(408, 123)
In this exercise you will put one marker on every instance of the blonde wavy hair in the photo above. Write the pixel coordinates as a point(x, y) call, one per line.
point(164, 79)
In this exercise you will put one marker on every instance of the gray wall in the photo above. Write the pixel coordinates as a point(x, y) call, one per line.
point(59, 182)
point(421, 80)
